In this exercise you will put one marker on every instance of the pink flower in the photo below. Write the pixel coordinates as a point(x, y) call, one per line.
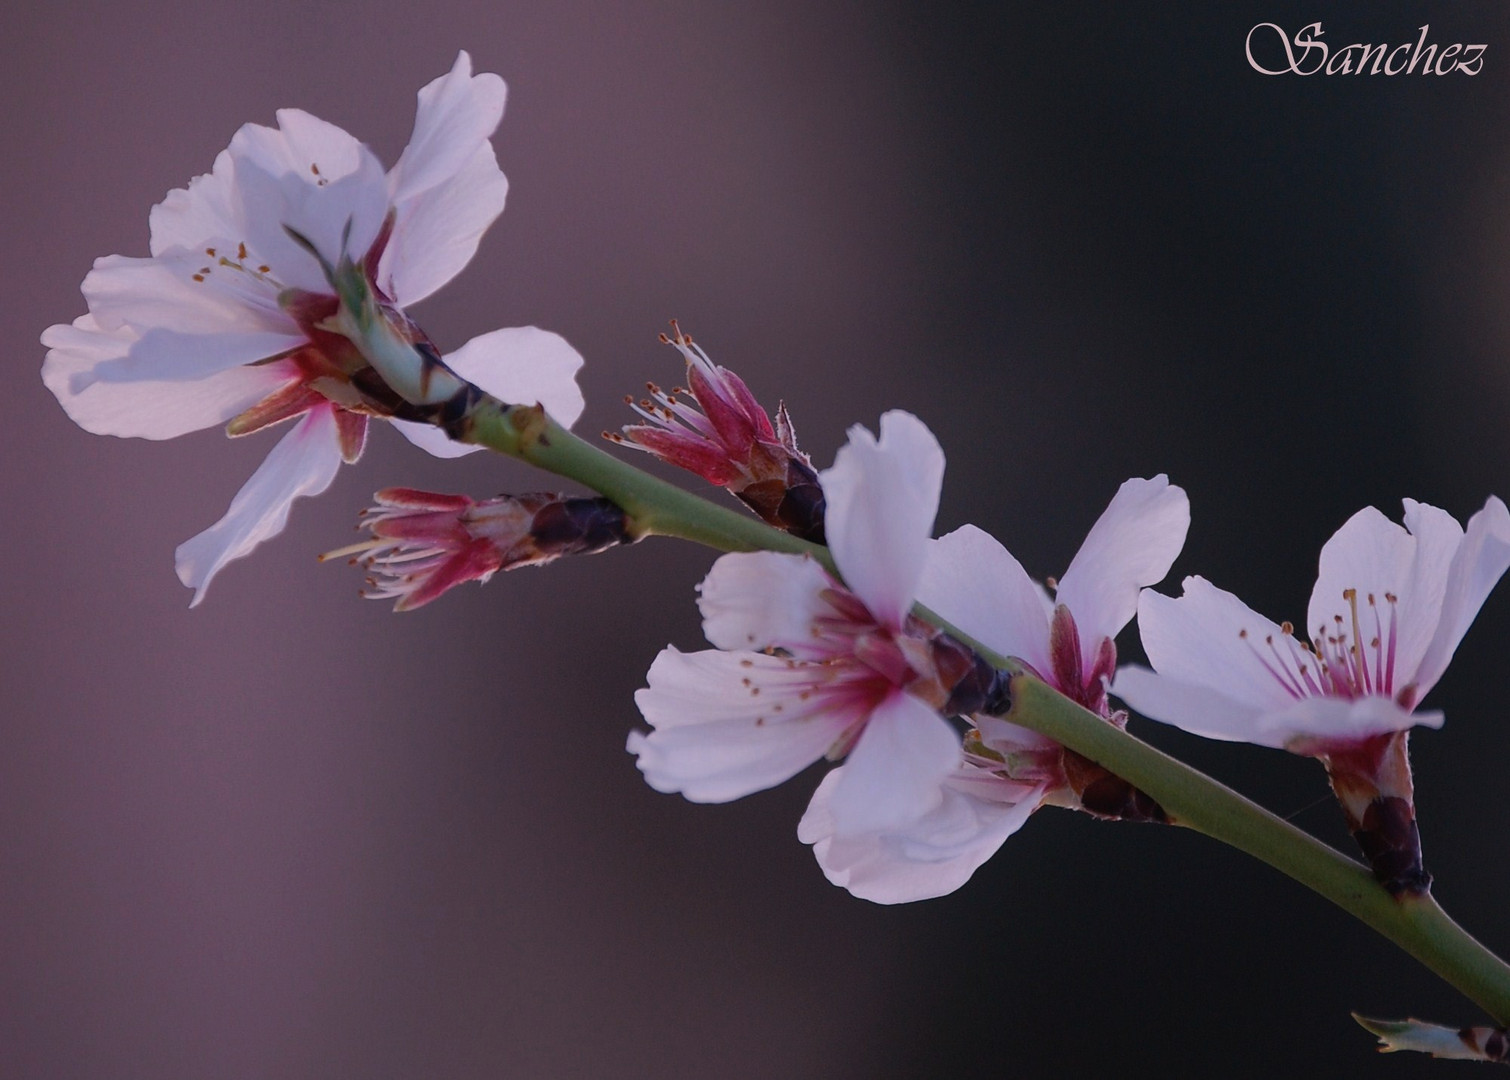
point(1005, 771)
point(1389, 608)
point(424, 543)
point(231, 320)
point(805, 668)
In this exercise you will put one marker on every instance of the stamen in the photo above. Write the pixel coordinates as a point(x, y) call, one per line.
point(1360, 662)
point(1286, 683)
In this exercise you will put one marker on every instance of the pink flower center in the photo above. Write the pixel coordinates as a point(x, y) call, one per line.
point(1352, 658)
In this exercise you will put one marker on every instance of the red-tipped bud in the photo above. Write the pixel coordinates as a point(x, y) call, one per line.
point(721, 433)
point(425, 543)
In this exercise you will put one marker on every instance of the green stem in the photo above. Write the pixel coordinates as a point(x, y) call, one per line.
point(1192, 799)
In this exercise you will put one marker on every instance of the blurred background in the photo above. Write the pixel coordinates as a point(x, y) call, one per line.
point(290, 834)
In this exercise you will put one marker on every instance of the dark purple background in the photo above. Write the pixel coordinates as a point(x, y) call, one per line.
point(291, 834)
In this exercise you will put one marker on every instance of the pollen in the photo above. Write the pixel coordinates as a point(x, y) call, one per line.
point(241, 251)
point(210, 252)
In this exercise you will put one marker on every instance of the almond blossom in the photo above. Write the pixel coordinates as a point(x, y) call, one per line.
point(232, 318)
point(805, 668)
point(1005, 772)
point(1389, 607)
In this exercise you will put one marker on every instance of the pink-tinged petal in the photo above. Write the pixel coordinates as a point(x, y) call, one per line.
point(1131, 546)
point(1005, 737)
point(147, 294)
point(1199, 710)
point(976, 584)
point(1478, 564)
point(456, 113)
point(303, 463)
point(193, 218)
point(170, 356)
point(727, 724)
point(145, 409)
point(524, 365)
point(436, 233)
point(1372, 556)
point(893, 776)
point(302, 145)
point(760, 599)
point(345, 214)
point(882, 498)
point(1332, 720)
point(1210, 638)
point(934, 857)
point(433, 440)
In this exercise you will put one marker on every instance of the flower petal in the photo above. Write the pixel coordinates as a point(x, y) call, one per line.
point(457, 112)
point(303, 463)
point(895, 771)
point(1376, 558)
point(729, 723)
point(524, 365)
point(302, 145)
point(1481, 559)
point(764, 599)
point(436, 232)
point(1199, 710)
point(146, 409)
point(1210, 638)
point(192, 218)
point(433, 440)
point(1132, 545)
point(882, 498)
point(975, 583)
point(342, 215)
point(933, 857)
point(1340, 720)
point(163, 293)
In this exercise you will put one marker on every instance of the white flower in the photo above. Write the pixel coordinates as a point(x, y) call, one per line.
point(1389, 608)
point(733, 720)
point(1006, 771)
point(227, 320)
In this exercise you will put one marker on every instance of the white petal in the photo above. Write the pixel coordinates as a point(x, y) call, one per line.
point(714, 739)
point(456, 113)
point(882, 498)
point(933, 857)
point(170, 356)
point(1131, 546)
point(1341, 720)
point(975, 583)
point(303, 463)
point(1199, 710)
point(524, 365)
point(145, 409)
point(895, 771)
point(1478, 564)
point(1210, 638)
point(433, 440)
point(147, 294)
point(1206, 712)
point(760, 599)
point(436, 232)
point(193, 218)
point(1375, 557)
point(344, 214)
point(301, 145)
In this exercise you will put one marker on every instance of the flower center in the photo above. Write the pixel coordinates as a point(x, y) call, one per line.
point(1353, 657)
